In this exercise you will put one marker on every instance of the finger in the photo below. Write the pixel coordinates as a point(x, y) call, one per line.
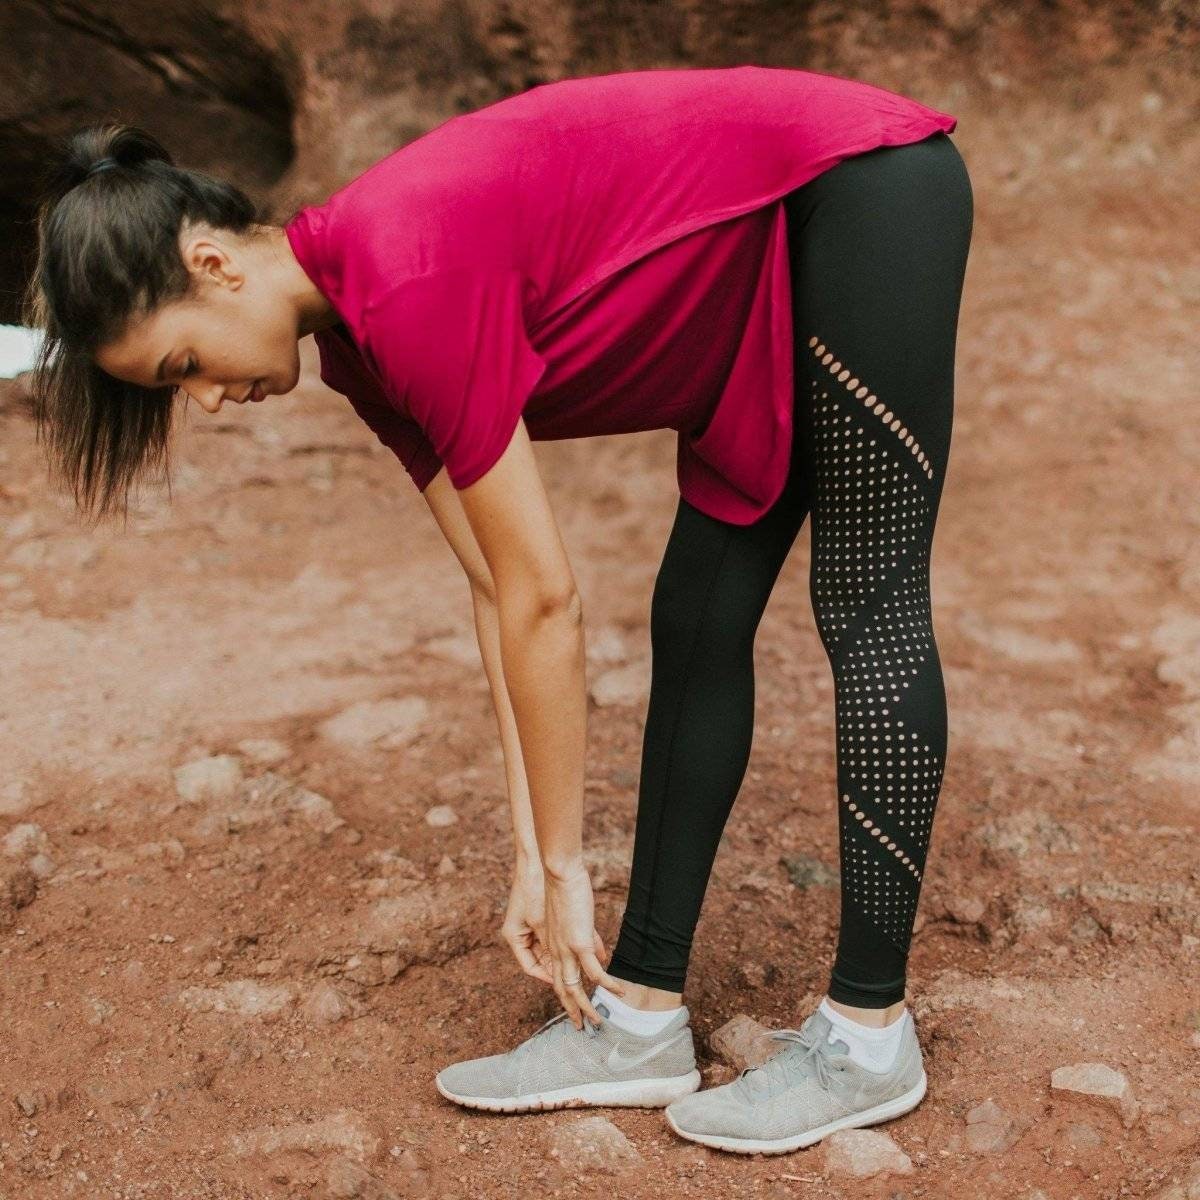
point(598, 944)
point(529, 962)
point(566, 992)
point(597, 974)
point(580, 997)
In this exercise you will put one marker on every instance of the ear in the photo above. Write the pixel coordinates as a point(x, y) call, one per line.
point(209, 257)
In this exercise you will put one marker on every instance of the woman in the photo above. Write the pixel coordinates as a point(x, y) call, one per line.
point(768, 261)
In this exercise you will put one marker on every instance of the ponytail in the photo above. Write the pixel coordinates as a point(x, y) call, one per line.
point(108, 221)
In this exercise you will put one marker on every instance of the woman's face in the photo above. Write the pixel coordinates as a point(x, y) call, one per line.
point(236, 338)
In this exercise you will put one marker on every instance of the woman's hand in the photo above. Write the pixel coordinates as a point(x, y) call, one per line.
point(524, 927)
point(575, 943)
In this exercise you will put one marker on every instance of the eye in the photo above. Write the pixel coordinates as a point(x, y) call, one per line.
point(191, 366)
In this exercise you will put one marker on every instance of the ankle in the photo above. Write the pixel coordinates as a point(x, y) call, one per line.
point(874, 1018)
point(649, 999)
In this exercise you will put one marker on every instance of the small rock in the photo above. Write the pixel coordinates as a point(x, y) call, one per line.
point(265, 752)
point(1085, 929)
point(805, 871)
point(326, 1005)
point(18, 888)
point(27, 1103)
point(990, 1129)
point(1098, 1082)
point(863, 1153)
point(440, 816)
point(133, 972)
point(606, 645)
point(628, 685)
point(753, 974)
point(25, 840)
point(242, 997)
point(348, 1180)
point(41, 866)
point(215, 778)
point(99, 1010)
point(387, 723)
point(344, 1131)
point(1083, 1136)
point(964, 909)
point(446, 865)
point(595, 1144)
point(742, 1042)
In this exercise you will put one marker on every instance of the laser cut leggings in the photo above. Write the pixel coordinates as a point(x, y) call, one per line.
point(878, 247)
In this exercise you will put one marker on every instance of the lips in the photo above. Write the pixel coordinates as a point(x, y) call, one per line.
point(255, 393)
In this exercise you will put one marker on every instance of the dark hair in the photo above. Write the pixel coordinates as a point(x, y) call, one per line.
point(108, 252)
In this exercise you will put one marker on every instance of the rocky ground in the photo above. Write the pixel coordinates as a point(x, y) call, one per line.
point(254, 847)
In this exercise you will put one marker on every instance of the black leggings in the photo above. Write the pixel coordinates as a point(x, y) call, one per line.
point(878, 247)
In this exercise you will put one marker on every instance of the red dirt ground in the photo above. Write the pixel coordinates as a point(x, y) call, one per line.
point(297, 573)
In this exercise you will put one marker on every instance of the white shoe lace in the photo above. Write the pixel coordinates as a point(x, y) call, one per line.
point(816, 1058)
point(588, 1027)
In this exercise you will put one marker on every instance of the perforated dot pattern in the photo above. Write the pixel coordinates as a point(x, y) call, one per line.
point(872, 528)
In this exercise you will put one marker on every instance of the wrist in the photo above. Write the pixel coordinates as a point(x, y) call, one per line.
point(526, 861)
point(561, 868)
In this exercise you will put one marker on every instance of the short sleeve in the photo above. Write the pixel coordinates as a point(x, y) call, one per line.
point(402, 436)
point(452, 352)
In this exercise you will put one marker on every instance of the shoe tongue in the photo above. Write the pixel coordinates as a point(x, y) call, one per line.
point(821, 1027)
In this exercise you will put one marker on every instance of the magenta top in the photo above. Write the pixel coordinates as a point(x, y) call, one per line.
point(597, 255)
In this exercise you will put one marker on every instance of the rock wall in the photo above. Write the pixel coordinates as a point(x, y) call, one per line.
point(293, 100)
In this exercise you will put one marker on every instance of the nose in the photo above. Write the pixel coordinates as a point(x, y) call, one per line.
point(211, 399)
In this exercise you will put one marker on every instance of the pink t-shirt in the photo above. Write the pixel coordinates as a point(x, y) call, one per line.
point(597, 255)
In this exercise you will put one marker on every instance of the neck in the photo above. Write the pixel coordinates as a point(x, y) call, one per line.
point(313, 310)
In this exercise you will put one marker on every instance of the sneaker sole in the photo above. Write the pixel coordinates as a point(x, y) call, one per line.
point(636, 1093)
point(869, 1116)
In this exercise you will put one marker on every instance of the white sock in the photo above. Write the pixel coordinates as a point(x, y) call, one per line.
point(635, 1020)
point(870, 1047)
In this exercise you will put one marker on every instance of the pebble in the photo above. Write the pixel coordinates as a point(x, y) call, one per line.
point(593, 1144)
point(345, 1131)
point(241, 997)
point(606, 645)
point(742, 1042)
point(1100, 1083)
point(326, 1004)
point(990, 1129)
point(25, 840)
point(628, 685)
point(266, 752)
point(440, 816)
point(217, 777)
point(805, 871)
point(386, 723)
point(349, 1180)
point(863, 1153)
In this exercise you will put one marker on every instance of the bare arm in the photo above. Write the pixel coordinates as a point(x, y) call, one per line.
point(540, 621)
point(447, 511)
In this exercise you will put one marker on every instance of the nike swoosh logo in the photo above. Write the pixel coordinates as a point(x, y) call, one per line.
point(621, 1062)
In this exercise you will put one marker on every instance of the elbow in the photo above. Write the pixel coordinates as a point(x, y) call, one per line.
point(561, 605)
point(530, 606)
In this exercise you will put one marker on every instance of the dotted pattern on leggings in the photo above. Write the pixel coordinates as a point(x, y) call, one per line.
point(871, 521)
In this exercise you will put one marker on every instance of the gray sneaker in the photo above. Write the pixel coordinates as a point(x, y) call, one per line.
point(808, 1090)
point(564, 1067)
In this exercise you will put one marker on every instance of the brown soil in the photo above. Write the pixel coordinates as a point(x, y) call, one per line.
point(297, 573)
